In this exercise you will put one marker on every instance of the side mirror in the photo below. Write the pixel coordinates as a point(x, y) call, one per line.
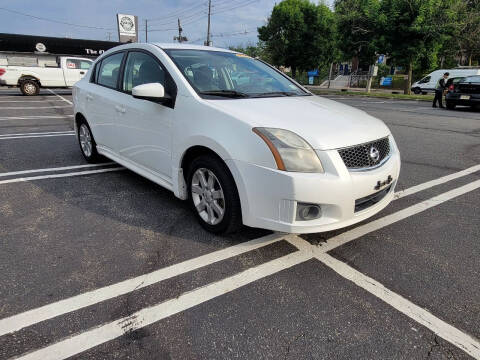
point(152, 92)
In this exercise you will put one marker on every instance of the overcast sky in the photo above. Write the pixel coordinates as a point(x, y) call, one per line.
point(230, 19)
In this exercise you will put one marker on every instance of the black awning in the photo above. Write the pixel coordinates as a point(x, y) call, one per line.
point(53, 45)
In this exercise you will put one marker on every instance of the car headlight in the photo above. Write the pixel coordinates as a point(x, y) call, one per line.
point(290, 151)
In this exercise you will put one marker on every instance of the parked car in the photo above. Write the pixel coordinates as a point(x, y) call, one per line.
point(464, 91)
point(429, 82)
point(31, 78)
point(266, 153)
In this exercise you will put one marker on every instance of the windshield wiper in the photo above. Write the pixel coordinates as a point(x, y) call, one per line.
point(225, 93)
point(277, 93)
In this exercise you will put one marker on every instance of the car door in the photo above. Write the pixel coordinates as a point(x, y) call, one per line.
point(102, 100)
point(144, 127)
point(74, 70)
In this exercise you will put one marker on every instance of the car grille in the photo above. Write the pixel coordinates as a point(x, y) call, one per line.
point(368, 201)
point(358, 156)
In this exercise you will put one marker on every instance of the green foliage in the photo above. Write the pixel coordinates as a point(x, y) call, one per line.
point(256, 51)
point(300, 34)
point(357, 24)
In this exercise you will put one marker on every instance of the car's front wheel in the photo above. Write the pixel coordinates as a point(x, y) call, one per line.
point(213, 195)
point(88, 147)
point(417, 91)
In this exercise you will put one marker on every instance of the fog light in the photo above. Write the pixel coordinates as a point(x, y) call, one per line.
point(307, 212)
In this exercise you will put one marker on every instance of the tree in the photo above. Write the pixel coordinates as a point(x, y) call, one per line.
point(412, 29)
point(300, 34)
point(358, 29)
point(469, 34)
point(256, 51)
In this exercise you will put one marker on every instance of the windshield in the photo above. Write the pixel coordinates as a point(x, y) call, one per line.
point(473, 79)
point(215, 74)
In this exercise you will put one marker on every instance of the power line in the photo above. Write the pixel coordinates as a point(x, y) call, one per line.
point(225, 9)
point(55, 21)
point(177, 13)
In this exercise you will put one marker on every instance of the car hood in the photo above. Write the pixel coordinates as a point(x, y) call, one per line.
point(323, 123)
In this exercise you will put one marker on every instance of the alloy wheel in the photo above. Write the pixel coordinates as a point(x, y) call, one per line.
point(85, 139)
point(208, 197)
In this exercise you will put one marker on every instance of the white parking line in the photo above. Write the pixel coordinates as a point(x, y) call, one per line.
point(34, 117)
point(61, 97)
point(439, 181)
point(359, 231)
point(28, 101)
point(39, 135)
point(23, 172)
point(99, 335)
point(446, 331)
point(17, 322)
point(147, 316)
point(35, 107)
point(56, 176)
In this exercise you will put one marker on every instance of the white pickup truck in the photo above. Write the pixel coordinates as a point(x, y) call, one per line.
point(31, 78)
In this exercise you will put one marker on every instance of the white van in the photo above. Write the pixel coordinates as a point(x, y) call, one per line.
point(429, 82)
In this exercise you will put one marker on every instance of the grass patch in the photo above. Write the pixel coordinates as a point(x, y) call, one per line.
point(375, 95)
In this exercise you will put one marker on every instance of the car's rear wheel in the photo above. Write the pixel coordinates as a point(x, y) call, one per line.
point(88, 147)
point(29, 87)
point(213, 195)
point(451, 105)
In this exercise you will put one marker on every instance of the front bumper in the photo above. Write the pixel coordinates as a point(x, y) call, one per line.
point(270, 197)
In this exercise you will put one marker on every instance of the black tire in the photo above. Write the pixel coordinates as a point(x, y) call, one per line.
point(232, 218)
point(93, 156)
point(29, 87)
point(450, 105)
point(417, 91)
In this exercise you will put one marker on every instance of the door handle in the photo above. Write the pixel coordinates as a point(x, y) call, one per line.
point(120, 109)
point(89, 97)
point(82, 72)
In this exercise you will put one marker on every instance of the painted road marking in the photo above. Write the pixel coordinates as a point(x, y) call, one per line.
point(439, 181)
point(13, 173)
point(147, 316)
point(19, 321)
point(35, 107)
point(463, 341)
point(34, 316)
point(61, 97)
point(56, 176)
point(37, 133)
point(40, 135)
point(28, 101)
point(34, 117)
point(359, 231)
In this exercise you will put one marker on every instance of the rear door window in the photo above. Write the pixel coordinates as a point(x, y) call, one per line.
point(109, 70)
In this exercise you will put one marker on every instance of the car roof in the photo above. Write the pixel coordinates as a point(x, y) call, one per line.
point(166, 46)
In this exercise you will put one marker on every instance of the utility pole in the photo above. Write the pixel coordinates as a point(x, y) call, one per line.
point(146, 30)
point(209, 15)
point(180, 38)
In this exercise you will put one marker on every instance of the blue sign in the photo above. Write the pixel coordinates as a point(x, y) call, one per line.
point(386, 81)
point(381, 59)
point(310, 80)
point(313, 73)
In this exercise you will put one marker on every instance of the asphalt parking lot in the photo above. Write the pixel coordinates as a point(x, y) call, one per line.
point(99, 263)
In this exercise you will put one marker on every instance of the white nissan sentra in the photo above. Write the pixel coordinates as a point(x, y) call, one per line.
point(242, 142)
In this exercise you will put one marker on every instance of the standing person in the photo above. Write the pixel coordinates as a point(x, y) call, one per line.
point(441, 87)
